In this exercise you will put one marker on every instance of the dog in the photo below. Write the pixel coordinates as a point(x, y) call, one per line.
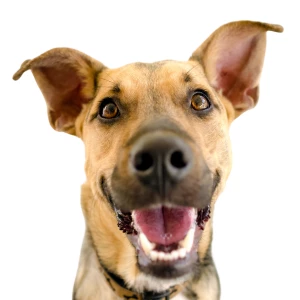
point(158, 156)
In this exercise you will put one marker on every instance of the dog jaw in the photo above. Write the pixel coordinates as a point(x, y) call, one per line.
point(165, 239)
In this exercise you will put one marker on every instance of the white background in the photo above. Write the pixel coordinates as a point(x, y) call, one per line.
point(256, 228)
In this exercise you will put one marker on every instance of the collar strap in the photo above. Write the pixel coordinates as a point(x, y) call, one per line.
point(119, 287)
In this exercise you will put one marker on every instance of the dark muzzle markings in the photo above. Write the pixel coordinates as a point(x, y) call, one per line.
point(164, 228)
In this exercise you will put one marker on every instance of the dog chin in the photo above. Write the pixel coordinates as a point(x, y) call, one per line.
point(151, 283)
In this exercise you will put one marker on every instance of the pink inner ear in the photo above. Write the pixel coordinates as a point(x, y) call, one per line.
point(63, 82)
point(238, 67)
point(61, 89)
point(66, 78)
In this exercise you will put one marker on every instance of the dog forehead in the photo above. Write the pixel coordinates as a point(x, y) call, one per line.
point(141, 75)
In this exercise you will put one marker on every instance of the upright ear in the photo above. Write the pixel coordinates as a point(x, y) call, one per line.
point(67, 79)
point(232, 58)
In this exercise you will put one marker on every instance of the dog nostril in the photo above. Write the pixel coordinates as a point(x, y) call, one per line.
point(177, 160)
point(143, 161)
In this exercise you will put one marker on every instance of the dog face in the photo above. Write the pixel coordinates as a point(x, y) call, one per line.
point(157, 146)
point(158, 150)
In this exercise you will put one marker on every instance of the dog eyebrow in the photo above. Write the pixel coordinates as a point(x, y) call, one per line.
point(187, 77)
point(116, 89)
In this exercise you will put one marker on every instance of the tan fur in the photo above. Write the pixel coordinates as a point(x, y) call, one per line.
point(148, 91)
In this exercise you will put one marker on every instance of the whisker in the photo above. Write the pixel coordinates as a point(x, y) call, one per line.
point(111, 79)
point(101, 86)
point(107, 80)
point(188, 73)
point(192, 68)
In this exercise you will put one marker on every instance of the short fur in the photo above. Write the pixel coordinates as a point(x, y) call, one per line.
point(227, 65)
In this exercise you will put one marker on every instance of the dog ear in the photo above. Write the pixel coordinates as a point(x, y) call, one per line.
point(67, 79)
point(232, 58)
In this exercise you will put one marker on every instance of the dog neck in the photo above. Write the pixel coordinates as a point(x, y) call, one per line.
point(119, 287)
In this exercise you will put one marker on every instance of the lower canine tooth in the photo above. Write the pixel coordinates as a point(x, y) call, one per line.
point(182, 252)
point(187, 242)
point(146, 244)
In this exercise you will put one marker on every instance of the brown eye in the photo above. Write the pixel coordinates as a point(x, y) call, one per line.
point(108, 109)
point(200, 101)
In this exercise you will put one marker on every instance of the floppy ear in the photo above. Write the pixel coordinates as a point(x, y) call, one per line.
point(66, 78)
point(232, 58)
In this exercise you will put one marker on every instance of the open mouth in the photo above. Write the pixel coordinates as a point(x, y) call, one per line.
point(164, 236)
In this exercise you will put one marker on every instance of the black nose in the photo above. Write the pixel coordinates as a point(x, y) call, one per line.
point(160, 160)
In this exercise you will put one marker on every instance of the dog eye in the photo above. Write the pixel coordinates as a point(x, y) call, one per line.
point(108, 109)
point(200, 101)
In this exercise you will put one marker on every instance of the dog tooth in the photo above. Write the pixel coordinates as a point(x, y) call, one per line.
point(146, 244)
point(161, 256)
point(165, 256)
point(168, 256)
point(182, 253)
point(187, 242)
point(153, 255)
point(174, 254)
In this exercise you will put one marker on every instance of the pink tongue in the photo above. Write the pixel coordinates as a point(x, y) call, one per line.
point(165, 225)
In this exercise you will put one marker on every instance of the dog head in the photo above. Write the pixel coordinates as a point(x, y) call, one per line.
point(157, 145)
